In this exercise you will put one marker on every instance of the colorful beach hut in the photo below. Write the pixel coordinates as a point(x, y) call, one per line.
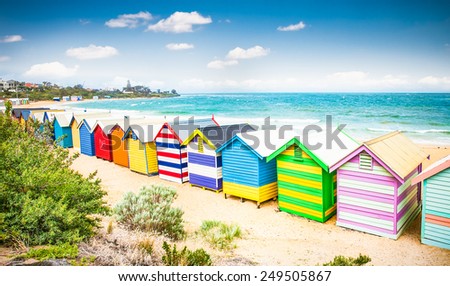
point(374, 190)
point(87, 143)
point(102, 140)
point(77, 119)
point(306, 187)
point(436, 203)
point(204, 163)
point(246, 172)
point(141, 147)
point(61, 127)
point(172, 156)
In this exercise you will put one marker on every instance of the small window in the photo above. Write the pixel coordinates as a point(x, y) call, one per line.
point(200, 145)
point(365, 161)
point(298, 155)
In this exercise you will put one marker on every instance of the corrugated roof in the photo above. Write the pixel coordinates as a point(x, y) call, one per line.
point(399, 153)
point(265, 142)
point(218, 135)
point(433, 169)
point(64, 118)
point(329, 155)
point(146, 130)
point(184, 128)
point(108, 124)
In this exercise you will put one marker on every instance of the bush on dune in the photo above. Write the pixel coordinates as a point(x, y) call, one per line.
point(42, 200)
point(151, 210)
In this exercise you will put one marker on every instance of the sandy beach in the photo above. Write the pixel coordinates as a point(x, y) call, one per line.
point(272, 237)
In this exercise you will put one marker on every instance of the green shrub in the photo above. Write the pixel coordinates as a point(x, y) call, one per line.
point(42, 200)
point(151, 210)
point(185, 257)
point(55, 252)
point(219, 234)
point(349, 261)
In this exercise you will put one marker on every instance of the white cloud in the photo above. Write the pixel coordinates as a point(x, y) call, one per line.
point(84, 21)
point(180, 22)
point(219, 64)
point(130, 20)
point(294, 27)
point(179, 46)
point(4, 58)
point(254, 52)
point(348, 76)
point(92, 52)
point(11, 39)
point(432, 80)
point(51, 70)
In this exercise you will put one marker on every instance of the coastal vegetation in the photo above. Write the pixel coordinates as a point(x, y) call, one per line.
point(185, 257)
point(42, 200)
point(151, 210)
point(349, 261)
point(48, 91)
point(220, 235)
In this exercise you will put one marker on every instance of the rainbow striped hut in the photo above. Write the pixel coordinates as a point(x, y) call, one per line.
point(61, 127)
point(306, 187)
point(204, 163)
point(246, 173)
point(172, 156)
point(436, 203)
point(374, 190)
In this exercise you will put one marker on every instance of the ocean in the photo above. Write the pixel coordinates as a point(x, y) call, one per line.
point(423, 117)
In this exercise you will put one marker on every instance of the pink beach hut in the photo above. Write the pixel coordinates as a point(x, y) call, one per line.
point(374, 190)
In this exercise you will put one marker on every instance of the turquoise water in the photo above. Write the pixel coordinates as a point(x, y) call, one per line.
point(425, 118)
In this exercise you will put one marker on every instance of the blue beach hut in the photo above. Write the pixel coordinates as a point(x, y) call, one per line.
point(246, 172)
point(204, 163)
point(61, 127)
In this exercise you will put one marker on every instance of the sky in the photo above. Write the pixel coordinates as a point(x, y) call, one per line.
point(230, 45)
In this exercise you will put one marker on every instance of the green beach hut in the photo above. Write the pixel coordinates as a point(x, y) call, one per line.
point(305, 185)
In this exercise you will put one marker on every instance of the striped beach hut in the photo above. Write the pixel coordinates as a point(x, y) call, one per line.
point(204, 163)
point(61, 127)
point(172, 156)
point(77, 119)
point(436, 203)
point(374, 190)
point(306, 187)
point(141, 147)
point(246, 172)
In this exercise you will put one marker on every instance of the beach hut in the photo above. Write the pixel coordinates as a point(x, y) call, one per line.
point(306, 187)
point(246, 172)
point(61, 127)
point(87, 143)
point(172, 156)
point(204, 163)
point(102, 140)
point(141, 147)
point(436, 203)
point(374, 190)
point(77, 118)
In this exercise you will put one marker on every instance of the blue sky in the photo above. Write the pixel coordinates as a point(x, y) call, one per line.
point(223, 46)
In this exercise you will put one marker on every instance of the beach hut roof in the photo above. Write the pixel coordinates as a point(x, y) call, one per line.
point(394, 151)
point(82, 115)
point(315, 145)
point(39, 116)
point(145, 132)
point(182, 129)
point(216, 136)
point(64, 118)
point(433, 169)
point(262, 142)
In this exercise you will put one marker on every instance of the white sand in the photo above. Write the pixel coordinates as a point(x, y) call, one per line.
point(271, 237)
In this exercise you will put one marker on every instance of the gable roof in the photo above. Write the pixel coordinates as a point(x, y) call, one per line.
point(433, 169)
point(262, 142)
point(145, 129)
point(399, 155)
point(216, 136)
point(182, 129)
point(64, 118)
point(315, 145)
point(78, 117)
